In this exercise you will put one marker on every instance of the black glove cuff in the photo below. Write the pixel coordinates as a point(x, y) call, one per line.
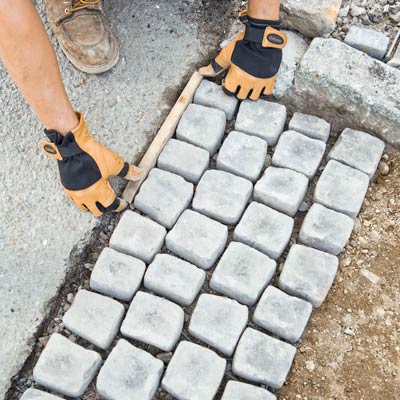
point(66, 145)
point(263, 23)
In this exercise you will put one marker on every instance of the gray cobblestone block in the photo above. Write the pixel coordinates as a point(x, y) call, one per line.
point(184, 159)
point(66, 367)
point(308, 273)
point(174, 278)
point(243, 273)
point(282, 189)
point(261, 118)
point(282, 315)
point(325, 229)
point(341, 188)
point(358, 150)
point(129, 373)
point(117, 275)
point(243, 155)
point(243, 391)
point(194, 373)
point(163, 196)
point(219, 322)
point(95, 318)
point(138, 236)
point(210, 94)
point(299, 152)
point(198, 239)
point(311, 126)
point(264, 229)
point(202, 126)
point(153, 320)
point(369, 41)
point(222, 196)
point(34, 394)
point(263, 359)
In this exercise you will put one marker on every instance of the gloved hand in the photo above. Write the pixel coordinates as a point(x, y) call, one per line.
point(253, 58)
point(85, 166)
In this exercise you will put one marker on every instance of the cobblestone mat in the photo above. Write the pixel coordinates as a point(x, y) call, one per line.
point(188, 302)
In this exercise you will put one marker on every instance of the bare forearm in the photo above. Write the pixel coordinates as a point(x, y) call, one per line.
point(264, 9)
point(28, 55)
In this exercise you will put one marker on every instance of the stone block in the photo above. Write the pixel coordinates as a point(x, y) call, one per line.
point(138, 236)
point(153, 320)
point(163, 196)
point(66, 367)
point(243, 155)
point(129, 373)
point(311, 126)
point(282, 189)
point(210, 94)
point(34, 394)
point(299, 152)
point(358, 91)
point(198, 239)
point(261, 118)
point(219, 322)
point(95, 318)
point(174, 278)
point(358, 150)
point(243, 391)
point(312, 18)
point(308, 273)
point(117, 275)
point(291, 58)
point(194, 373)
point(341, 188)
point(264, 229)
point(222, 196)
point(263, 359)
point(395, 60)
point(243, 273)
point(325, 229)
point(184, 159)
point(372, 42)
point(202, 126)
point(282, 315)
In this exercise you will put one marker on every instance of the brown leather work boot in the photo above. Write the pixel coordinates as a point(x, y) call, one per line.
point(84, 34)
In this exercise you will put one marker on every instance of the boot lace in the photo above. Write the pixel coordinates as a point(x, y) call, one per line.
point(80, 5)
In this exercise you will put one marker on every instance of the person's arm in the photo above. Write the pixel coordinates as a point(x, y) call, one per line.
point(84, 164)
point(264, 9)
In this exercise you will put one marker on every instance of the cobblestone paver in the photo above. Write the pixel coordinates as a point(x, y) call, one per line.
point(219, 322)
point(164, 196)
point(299, 152)
point(282, 189)
point(243, 391)
point(261, 118)
point(129, 373)
point(197, 239)
point(184, 159)
point(34, 394)
point(222, 196)
point(262, 358)
point(265, 229)
point(243, 155)
point(194, 373)
point(66, 367)
point(243, 327)
point(153, 320)
point(243, 273)
point(94, 317)
point(117, 275)
point(174, 278)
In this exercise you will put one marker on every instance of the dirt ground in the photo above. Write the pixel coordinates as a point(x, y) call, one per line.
point(352, 346)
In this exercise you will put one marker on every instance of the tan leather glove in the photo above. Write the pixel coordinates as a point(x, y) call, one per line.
point(85, 166)
point(253, 58)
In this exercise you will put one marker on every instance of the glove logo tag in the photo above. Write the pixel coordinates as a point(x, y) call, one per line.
point(49, 149)
point(275, 39)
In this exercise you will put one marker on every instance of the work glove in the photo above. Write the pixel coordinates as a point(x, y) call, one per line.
point(85, 166)
point(253, 58)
